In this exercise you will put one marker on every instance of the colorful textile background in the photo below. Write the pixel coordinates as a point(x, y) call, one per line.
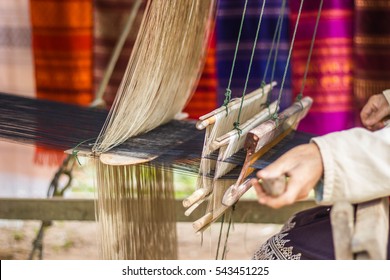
point(228, 22)
point(18, 176)
point(204, 99)
point(73, 40)
point(62, 48)
point(110, 17)
point(372, 49)
point(330, 77)
point(16, 61)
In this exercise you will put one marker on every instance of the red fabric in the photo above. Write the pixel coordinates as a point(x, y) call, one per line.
point(62, 48)
point(204, 99)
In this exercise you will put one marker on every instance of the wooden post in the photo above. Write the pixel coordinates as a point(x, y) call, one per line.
point(341, 218)
point(371, 230)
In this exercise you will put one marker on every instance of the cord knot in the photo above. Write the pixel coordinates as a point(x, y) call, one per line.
point(236, 126)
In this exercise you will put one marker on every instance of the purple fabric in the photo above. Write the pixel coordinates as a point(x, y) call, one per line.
point(307, 236)
point(227, 27)
point(330, 76)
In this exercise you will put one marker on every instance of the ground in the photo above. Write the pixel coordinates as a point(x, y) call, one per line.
point(77, 240)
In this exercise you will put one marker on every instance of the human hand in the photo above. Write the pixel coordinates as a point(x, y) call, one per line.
point(302, 164)
point(375, 110)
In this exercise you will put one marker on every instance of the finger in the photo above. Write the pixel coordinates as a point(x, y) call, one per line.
point(288, 197)
point(367, 110)
point(279, 167)
point(368, 116)
point(261, 193)
point(377, 126)
point(259, 190)
point(374, 111)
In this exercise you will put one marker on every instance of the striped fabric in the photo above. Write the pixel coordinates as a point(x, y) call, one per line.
point(228, 22)
point(73, 40)
point(62, 47)
point(62, 44)
point(110, 17)
point(372, 48)
point(19, 177)
point(16, 62)
point(330, 75)
point(204, 99)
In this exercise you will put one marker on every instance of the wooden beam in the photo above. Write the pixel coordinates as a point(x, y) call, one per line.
point(47, 209)
point(63, 209)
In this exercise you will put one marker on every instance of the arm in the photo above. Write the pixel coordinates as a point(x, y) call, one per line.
point(355, 163)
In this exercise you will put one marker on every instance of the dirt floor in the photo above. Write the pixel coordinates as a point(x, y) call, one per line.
point(77, 240)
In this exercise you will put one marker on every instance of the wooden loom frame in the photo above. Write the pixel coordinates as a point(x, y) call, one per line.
point(8, 206)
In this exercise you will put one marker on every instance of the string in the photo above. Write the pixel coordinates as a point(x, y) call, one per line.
point(75, 151)
point(115, 55)
point(278, 31)
point(299, 96)
point(228, 232)
point(288, 60)
point(236, 124)
point(278, 23)
point(228, 93)
point(162, 69)
point(220, 236)
point(278, 40)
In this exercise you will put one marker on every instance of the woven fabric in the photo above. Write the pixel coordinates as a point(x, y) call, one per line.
point(18, 176)
point(110, 17)
point(62, 45)
point(228, 23)
point(62, 48)
point(372, 49)
point(307, 235)
point(330, 77)
point(16, 62)
point(204, 99)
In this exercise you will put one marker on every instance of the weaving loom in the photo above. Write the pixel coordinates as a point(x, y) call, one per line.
point(254, 134)
point(250, 109)
point(163, 61)
point(134, 180)
point(115, 183)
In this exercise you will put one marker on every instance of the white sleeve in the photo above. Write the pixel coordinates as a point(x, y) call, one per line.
point(356, 165)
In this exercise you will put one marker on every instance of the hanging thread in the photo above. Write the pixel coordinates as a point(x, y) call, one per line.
point(299, 96)
point(275, 116)
point(228, 93)
point(237, 123)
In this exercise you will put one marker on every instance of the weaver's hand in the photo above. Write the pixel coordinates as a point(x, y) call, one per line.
point(303, 166)
point(375, 110)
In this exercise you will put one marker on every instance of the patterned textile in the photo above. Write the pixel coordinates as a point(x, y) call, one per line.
point(204, 99)
point(110, 17)
point(228, 22)
point(306, 236)
point(372, 48)
point(62, 46)
point(18, 176)
point(16, 62)
point(329, 80)
point(62, 43)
